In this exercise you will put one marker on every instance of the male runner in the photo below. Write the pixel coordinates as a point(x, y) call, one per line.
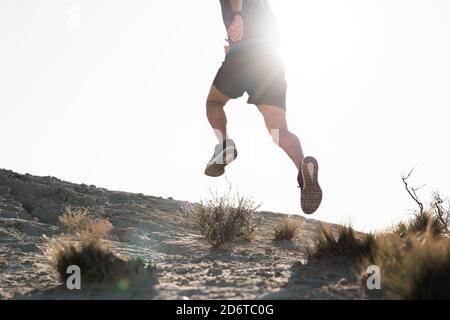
point(252, 65)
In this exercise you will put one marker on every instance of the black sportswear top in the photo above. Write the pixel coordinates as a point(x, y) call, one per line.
point(260, 27)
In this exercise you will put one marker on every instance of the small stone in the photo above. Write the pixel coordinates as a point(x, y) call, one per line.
point(343, 282)
point(332, 274)
point(4, 190)
point(214, 272)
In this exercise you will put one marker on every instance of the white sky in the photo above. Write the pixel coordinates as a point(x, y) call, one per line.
point(112, 93)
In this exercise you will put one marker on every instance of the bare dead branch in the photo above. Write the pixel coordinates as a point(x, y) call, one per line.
point(411, 191)
point(417, 189)
point(443, 214)
point(408, 175)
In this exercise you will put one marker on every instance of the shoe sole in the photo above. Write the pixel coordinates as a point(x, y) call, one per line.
point(311, 192)
point(215, 169)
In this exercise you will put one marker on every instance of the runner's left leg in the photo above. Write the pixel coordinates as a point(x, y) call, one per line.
point(275, 120)
point(311, 192)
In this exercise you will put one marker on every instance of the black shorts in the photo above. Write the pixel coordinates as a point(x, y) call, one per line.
point(259, 74)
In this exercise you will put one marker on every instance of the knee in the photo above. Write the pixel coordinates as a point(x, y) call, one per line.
point(277, 131)
point(213, 105)
point(275, 125)
point(280, 135)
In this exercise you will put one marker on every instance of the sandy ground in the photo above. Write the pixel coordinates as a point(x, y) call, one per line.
point(152, 229)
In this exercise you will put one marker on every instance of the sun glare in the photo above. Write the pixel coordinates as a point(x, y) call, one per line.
point(286, 17)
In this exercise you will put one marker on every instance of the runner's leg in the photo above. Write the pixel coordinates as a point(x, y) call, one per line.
point(275, 120)
point(215, 112)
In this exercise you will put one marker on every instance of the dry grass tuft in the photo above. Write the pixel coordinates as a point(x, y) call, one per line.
point(74, 219)
point(86, 246)
point(414, 267)
point(422, 222)
point(97, 261)
point(84, 227)
point(287, 229)
point(413, 257)
point(346, 245)
point(223, 219)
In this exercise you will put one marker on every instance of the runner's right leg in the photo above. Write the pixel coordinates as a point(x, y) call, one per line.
point(225, 152)
point(215, 112)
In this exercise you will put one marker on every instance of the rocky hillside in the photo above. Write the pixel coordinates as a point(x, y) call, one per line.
point(152, 229)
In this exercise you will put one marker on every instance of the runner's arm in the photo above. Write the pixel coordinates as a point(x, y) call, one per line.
point(236, 29)
point(236, 5)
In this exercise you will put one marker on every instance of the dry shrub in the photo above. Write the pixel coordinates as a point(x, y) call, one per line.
point(74, 219)
point(346, 245)
point(422, 222)
point(434, 220)
point(81, 225)
point(86, 246)
point(95, 230)
point(287, 229)
point(414, 267)
point(414, 257)
point(97, 261)
point(223, 219)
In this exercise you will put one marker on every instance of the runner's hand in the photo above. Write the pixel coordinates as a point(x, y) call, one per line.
point(236, 29)
point(226, 49)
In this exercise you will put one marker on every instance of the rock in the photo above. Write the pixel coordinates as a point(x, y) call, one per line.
point(4, 190)
point(30, 228)
point(9, 214)
point(134, 236)
point(158, 236)
point(46, 210)
point(5, 235)
point(214, 272)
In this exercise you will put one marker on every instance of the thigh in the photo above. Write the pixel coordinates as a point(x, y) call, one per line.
point(267, 85)
point(230, 79)
point(215, 97)
point(274, 117)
